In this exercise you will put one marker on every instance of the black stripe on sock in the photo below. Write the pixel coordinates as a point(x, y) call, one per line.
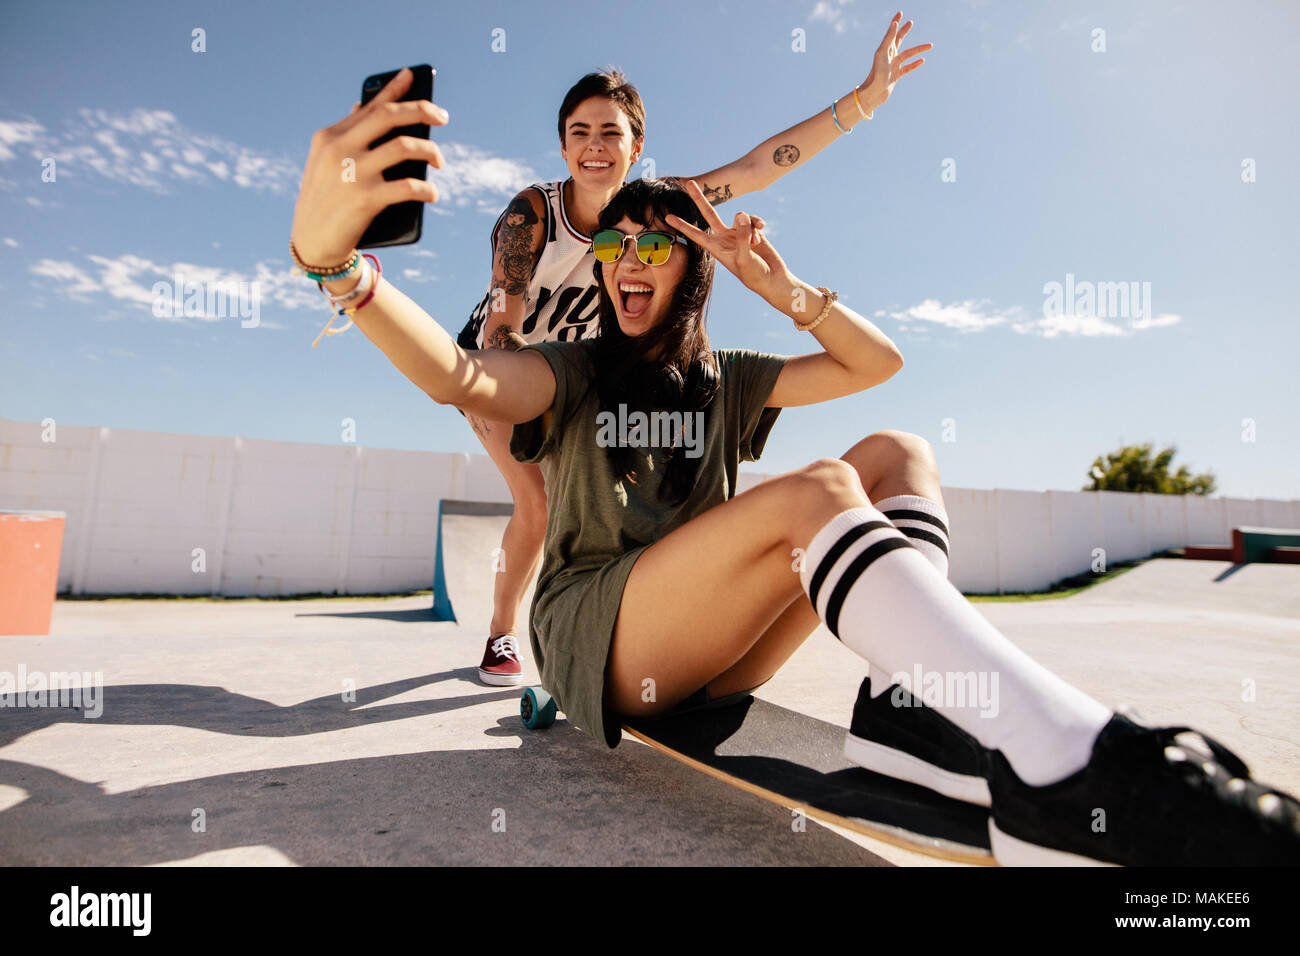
point(917, 516)
point(925, 535)
point(837, 549)
point(853, 572)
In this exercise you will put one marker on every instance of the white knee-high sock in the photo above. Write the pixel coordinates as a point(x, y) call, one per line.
point(923, 521)
point(926, 523)
point(876, 592)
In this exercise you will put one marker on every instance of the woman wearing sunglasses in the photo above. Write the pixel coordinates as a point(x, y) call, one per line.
point(662, 589)
point(542, 287)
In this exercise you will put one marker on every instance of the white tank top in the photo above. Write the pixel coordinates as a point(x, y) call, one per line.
point(562, 299)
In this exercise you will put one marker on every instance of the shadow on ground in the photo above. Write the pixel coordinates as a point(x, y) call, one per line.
point(225, 712)
point(559, 797)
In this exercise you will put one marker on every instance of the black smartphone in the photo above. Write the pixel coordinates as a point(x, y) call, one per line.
point(401, 223)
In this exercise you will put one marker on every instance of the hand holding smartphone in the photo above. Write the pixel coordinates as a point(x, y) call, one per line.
point(401, 223)
point(356, 194)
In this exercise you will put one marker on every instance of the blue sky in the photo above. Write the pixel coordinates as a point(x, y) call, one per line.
point(1117, 166)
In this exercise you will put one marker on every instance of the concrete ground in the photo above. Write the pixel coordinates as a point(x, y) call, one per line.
point(232, 714)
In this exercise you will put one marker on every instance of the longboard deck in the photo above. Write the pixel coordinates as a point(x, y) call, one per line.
point(798, 761)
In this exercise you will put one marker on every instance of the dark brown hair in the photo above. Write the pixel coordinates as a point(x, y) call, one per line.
point(610, 83)
point(684, 376)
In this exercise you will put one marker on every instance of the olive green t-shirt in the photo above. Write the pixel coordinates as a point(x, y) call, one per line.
point(597, 525)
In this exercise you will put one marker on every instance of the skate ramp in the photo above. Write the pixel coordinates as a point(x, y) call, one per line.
point(468, 561)
point(1269, 589)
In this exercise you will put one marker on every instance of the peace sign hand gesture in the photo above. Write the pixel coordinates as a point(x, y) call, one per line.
point(741, 248)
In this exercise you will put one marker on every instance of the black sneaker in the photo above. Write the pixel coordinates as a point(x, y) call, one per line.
point(1149, 796)
point(895, 735)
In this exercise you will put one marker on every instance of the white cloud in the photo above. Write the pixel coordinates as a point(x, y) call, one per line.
point(134, 148)
point(14, 134)
point(130, 279)
point(152, 149)
point(975, 316)
point(10, 242)
point(1165, 318)
point(965, 316)
point(1092, 326)
point(1089, 326)
point(833, 12)
point(472, 175)
point(76, 283)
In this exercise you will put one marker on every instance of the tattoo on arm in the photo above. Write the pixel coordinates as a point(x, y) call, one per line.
point(786, 155)
point(504, 337)
point(515, 246)
point(716, 194)
point(480, 425)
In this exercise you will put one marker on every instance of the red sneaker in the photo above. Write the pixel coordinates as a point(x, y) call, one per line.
point(501, 665)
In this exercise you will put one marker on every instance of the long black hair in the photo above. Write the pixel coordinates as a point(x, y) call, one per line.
point(683, 374)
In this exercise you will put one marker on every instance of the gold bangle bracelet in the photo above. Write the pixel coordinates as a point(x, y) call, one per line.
point(831, 298)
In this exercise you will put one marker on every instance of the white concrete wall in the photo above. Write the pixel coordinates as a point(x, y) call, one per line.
point(280, 518)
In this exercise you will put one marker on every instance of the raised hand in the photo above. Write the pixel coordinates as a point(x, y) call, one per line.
point(343, 186)
point(889, 65)
point(741, 248)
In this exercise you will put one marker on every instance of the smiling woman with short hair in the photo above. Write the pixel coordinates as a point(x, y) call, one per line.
point(542, 288)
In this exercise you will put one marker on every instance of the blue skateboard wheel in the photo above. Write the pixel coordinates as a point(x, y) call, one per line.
point(537, 708)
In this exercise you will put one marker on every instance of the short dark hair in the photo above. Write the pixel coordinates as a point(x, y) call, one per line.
point(612, 84)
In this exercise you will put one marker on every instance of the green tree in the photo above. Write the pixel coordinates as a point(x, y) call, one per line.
point(1133, 468)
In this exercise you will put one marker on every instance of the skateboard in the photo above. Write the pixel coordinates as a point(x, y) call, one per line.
point(797, 761)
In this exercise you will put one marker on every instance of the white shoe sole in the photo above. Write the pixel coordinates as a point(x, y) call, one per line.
point(500, 680)
point(904, 766)
point(1010, 851)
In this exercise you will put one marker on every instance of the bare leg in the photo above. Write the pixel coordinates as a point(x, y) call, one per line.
point(744, 549)
point(525, 532)
point(888, 463)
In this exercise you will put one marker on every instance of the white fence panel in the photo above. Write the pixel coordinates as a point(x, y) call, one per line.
point(152, 512)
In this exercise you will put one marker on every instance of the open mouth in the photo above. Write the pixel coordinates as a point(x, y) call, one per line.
point(596, 165)
point(636, 297)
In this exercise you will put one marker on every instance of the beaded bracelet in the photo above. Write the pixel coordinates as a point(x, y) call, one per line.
point(322, 273)
point(351, 266)
point(831, 297)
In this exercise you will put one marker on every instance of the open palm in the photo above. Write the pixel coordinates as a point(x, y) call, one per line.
point(889, 65)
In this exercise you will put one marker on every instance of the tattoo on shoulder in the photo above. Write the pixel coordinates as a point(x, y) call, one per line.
point(786, 155)
point(504, 337)
point(515, 246)
point(716, 194)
